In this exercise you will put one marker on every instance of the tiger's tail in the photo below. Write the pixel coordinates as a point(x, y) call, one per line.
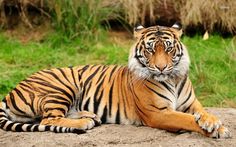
point(8, 125)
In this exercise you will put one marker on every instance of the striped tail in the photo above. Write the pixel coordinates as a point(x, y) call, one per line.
point(9, 125)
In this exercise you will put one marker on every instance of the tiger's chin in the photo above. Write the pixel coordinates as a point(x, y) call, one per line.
point(161, 78)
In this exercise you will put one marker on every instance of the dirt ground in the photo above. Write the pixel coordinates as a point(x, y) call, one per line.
point(123, 135)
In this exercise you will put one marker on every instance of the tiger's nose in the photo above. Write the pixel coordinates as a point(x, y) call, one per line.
point(161, 67)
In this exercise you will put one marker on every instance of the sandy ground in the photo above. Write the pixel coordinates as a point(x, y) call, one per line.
point(123, 135)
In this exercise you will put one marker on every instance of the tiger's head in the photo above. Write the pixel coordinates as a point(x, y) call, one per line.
point(159, 53)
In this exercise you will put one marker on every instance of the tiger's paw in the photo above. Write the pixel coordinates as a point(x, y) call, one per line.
point(222, 132)
point(212, 125)
point(86, 123)
point(207, 122)
point(94, 117)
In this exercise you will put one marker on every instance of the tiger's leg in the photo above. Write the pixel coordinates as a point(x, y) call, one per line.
point(54, 110)
point(57, 118)
point(173, 121)
point(208, 122)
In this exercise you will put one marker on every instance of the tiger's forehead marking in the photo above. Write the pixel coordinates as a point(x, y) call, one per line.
point(158, 32)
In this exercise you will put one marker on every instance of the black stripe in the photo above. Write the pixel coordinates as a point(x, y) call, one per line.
point(102, 75)
point(104, 115)
point(24, 100)
point(88, 89)
point(137, 57)
point(9, 127)
point(86, 104)
point(58, 102)
point(58, 97)
point(155, 84)
point(97, 102)
point(3, 122)
point(83, 69)
point(14, 104)
point(3, 115)
point(54, 92)
point(187, 108)
point(141, 111)
point(52, 109)
point(73, 76)
point(81, 100)
point(104, 67)
point(64, 75)
point(55, 129)
point(94, 66)
point(164, 32)
point(110, 97)
point(160, 95)
point(60, 129)
point(167, 87)
point(18, 128)
point(91, 76)
point(112, 72)
point(36, 128)
point(31, 94)
point(1, 110)
point(189, 95)
point(96, 99)
point(47, 128)
point(28, 128)
point(118, 115)
point(162, 108)
point(181, 86)
point(51, 116)
point(22, 84)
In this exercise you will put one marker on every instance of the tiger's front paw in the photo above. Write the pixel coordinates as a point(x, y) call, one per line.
point(212, 125)
point(207, 122)
point(222, 132)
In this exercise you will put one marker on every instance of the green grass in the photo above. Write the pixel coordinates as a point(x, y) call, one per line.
point(213, 68)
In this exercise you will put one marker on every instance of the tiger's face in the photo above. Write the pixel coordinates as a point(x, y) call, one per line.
point(158, 53)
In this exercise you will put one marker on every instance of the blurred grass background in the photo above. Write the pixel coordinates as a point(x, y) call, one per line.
point(39, 34)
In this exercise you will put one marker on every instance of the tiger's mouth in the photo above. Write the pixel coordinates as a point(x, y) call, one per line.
point(160, 77)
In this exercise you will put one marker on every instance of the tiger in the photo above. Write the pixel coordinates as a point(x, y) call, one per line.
point(153, 90)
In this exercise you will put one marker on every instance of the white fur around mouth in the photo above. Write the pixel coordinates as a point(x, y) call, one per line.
point(160, 77)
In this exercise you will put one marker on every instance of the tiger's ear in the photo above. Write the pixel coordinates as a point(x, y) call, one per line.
point(177, 27)
point(138, 29)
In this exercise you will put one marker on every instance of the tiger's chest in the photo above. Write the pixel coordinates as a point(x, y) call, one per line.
point(180, 96)
point(167, 94)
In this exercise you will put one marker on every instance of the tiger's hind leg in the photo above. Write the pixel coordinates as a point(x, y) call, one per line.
point(54, 112)
point(60, 120)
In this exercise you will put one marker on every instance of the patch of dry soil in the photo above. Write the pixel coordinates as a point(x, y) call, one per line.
point(123, 135)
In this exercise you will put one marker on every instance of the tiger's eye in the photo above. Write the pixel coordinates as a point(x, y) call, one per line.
point(149, 44)
point(168, 43)
point(168, 46)
point(149, 47)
